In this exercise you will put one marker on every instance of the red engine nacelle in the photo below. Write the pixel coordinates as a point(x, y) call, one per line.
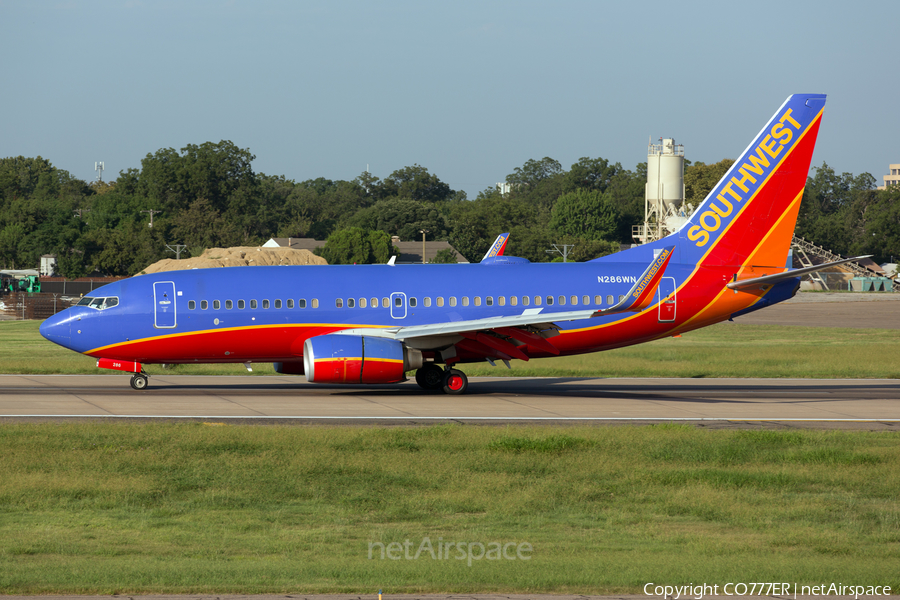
point(336, 358)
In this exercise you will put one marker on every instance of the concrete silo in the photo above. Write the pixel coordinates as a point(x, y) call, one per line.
point(664, 209)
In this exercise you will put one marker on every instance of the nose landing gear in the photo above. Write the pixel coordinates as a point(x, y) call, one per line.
point(139, 381)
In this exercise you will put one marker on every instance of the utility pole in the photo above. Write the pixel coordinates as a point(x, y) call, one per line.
point(98, 166)
point(564, 251)
point(423, 232)
point(177, 250)
point(152, 212)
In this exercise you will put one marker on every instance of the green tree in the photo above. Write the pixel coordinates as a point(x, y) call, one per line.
point(700, 179)
point(588, 214)
point(416, 183)
point(355, 245)
point(444, 257)
point(402, 217)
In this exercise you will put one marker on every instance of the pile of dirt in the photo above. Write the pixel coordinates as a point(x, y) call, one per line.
point(242, 256)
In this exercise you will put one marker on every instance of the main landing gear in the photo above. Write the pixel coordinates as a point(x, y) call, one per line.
point(139, 381)
point(452, 381)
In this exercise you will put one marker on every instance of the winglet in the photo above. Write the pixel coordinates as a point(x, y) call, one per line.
point(641, 295)
point(497, 247)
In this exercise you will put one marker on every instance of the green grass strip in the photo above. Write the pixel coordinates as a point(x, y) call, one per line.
point(190, 508)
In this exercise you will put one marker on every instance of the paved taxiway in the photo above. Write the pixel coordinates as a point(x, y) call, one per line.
point(504, 399)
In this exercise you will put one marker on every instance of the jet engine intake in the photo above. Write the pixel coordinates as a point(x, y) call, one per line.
point(336, 358)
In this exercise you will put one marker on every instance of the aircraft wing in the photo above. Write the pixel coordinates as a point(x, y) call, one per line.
point(776, 277)
point(638, 298)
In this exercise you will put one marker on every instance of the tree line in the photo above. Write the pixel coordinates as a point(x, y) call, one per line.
point(208, 195)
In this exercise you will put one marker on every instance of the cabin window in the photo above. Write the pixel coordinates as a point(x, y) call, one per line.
point(265, 304)
point(609, 300)
point(477, 300)
point(501, 300)
point(488, 301)
point(216, 305)
point(290, 303)
point(385, 303)
point(240, 304)
point(440, 300)
point(338, 303)
point(562, 300)
point(574, 300)
point(315, 303)
point(537, 300)
point(513, 300)
point(229, 305)
point(204, 304)
point(412, 302)
point(621, 298)
point(192, 305)
point(301, 303)
point(526, 300)
point(427, 301)
point(351, 303)
point(549, 301)
point(278, 304)
point(398, 301)
point(452, 301)
point(374, 303)
point(253, 304)
point(585, 300)
point(362, 303)
point(465, 300)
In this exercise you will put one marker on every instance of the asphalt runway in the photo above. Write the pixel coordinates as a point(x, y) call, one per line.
point(868, 403)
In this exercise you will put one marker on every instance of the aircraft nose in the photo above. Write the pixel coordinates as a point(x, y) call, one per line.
point(57, 329)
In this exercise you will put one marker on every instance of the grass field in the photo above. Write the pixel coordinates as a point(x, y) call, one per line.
point(191, 508)
point(726, 350)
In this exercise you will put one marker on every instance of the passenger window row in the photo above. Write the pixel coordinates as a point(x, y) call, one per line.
point(241, 304)
point(452, 301)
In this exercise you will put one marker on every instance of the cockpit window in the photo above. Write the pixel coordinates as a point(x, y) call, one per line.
point(99, 303)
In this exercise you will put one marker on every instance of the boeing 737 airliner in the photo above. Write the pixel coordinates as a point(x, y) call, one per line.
point(372, 324)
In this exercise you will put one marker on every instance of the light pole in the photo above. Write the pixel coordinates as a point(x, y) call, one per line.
point(564, 251)
point(423, 232)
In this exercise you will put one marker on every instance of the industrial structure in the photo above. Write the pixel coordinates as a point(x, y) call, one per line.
point(664, 207)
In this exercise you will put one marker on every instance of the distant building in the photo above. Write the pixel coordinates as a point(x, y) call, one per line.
point(893, 178)
point(410, 252)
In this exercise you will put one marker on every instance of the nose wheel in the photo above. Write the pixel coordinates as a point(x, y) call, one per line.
point(139, 381)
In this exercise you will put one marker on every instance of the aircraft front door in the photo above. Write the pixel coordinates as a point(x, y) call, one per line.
point(398, 305)
point(666, 297)
point(164, 304)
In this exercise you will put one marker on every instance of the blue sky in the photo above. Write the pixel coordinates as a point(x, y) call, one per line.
point(469, 90)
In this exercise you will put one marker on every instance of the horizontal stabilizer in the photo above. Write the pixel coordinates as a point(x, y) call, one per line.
point(769, 279)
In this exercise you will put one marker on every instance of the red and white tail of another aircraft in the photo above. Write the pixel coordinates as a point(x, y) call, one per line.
point(372, 324)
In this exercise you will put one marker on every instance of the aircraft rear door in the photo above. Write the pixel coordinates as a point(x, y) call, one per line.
point(164, 304)
point(666, 297)
point(398, 305)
